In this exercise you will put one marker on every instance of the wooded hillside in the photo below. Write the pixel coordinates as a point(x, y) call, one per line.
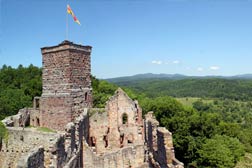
point(236, 89)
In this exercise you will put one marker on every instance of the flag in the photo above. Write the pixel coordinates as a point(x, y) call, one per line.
point(69, 10)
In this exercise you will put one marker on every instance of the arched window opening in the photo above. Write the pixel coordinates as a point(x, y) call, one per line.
point(125, 118)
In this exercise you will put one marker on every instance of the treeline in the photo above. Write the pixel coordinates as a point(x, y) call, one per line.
point(235, 89)
point(18, 86)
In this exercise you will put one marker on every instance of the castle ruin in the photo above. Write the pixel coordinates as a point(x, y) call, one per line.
point(83, 137)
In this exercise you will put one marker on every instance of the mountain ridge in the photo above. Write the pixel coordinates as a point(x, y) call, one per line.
point(175, 77)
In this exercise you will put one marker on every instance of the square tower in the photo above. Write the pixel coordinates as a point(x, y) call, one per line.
point(66, 79)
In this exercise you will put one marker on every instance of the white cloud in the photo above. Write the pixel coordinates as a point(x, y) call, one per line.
point(156, 62)
point(176, 62)
point(200, 69)
point(214, 68)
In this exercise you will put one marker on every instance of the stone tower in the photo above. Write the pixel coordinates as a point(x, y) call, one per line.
point(66, 83)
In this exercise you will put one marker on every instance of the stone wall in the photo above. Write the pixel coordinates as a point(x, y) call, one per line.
point(98, 130)
point(62, 149)
point(76, 133)
point(56, 111)
point(124, 158)
point(124, 122)
point(116, 141)
point(160, 145)
point(24, 117)
point(119, 125)
point(34, 117)
point(21, 142)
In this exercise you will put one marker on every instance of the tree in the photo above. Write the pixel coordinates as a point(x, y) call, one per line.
point(102, 90)
point(221, 152)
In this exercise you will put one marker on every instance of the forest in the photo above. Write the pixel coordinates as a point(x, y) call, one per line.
point(235, 89)
point(210, 119)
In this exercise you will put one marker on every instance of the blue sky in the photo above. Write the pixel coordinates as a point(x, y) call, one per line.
point(191, 37)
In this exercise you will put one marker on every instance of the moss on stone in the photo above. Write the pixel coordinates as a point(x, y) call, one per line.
point(4, 134)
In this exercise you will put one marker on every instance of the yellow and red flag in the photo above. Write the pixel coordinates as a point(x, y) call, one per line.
point(69, 10)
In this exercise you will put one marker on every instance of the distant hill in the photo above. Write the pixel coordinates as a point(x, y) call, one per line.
point(153, 85)
point(243, 76)
point(173, 77)
point(147, 76)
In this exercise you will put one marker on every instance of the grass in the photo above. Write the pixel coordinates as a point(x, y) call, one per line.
point(45, 129)
point(42, 129)
point(188, 101)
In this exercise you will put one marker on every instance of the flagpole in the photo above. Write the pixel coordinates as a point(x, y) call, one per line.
point(66, 25)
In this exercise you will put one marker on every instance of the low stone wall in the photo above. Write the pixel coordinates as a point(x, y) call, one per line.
point(21, 119)
point(21, 142)
point(124, 158)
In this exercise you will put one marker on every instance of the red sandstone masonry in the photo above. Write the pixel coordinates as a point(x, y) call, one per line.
point(66, 84)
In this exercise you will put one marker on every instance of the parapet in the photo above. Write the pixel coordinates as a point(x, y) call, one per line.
point(66, 45)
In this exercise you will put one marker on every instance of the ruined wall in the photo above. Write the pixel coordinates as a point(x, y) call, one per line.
point(151, 125)
point(25, 117)
point(76, 133)
point(160, 145)
point(165, 153)
point(124, 158)
point(62, 149)
point(34, 118)
point(98, 122)
point(124, 122)
point(22, 141)
point(66, 84)
point(22, 118)
point(119, 125)
point(116, 141)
